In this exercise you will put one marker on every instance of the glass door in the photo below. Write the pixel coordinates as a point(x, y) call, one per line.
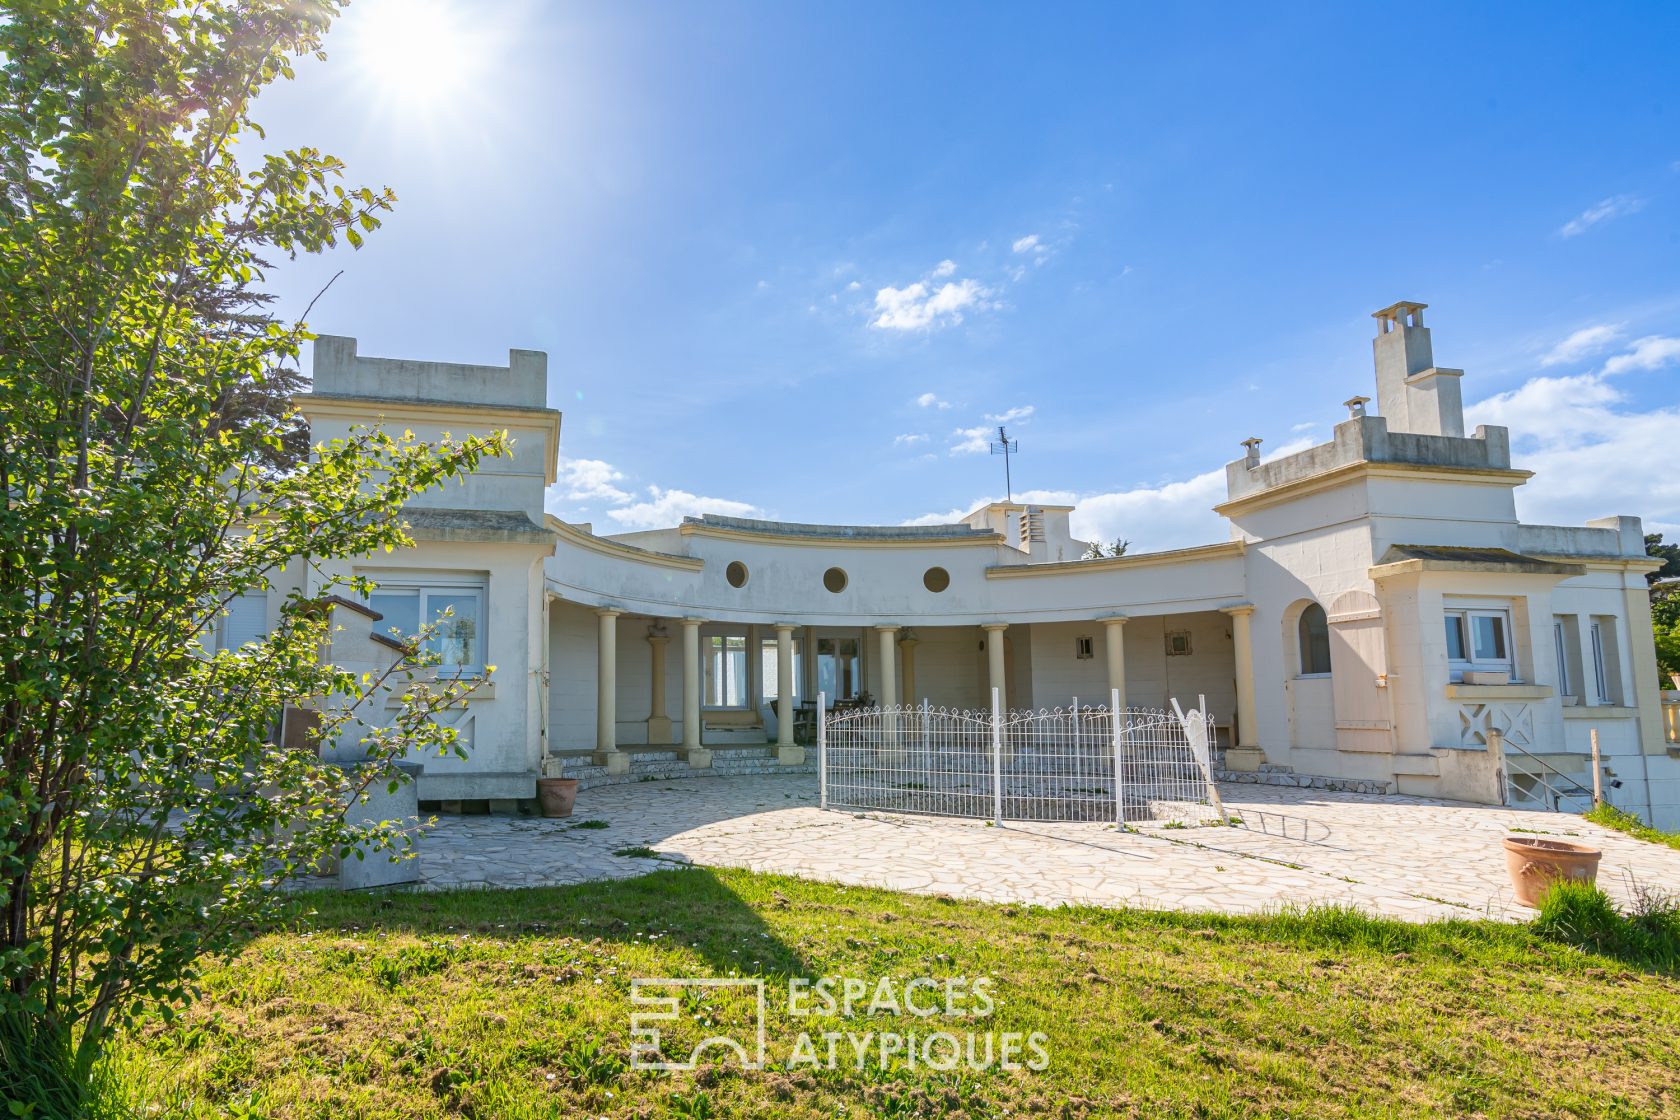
point(839, 668)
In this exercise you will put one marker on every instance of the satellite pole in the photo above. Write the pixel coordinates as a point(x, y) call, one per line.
point(1006, 447)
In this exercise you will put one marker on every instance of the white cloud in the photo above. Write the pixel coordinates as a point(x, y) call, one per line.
point(853, 286)
point(972, 441)
point(978, 440)
point(1028, 244)
point(1648, 353)
point(1613, 207)
point(944, 269)
point(586, 480)
point(1582, 344)
point(921, 306)
point(931, 400)
point(1176, 514)
point(665, 508)
point(1593, 455)
point(910, 439)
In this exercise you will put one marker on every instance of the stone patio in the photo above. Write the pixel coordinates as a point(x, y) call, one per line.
point(1399, 856)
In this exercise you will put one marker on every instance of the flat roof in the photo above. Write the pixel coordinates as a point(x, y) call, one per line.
point(838, 532)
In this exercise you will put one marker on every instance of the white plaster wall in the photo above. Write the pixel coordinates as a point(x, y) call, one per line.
point(1059, 676)
point(505, 729)
point(573, 675)
point(885, 583)
point(1153, 679)
point(950, 667)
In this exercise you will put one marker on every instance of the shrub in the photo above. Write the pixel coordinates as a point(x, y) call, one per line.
point(1582, 915)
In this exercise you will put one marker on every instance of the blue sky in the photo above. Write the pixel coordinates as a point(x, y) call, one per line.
point(786, 259)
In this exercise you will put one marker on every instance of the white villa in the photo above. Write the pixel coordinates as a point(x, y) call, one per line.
point(1375, 614)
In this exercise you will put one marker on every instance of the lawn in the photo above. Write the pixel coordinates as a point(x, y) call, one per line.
point(1621, 820)
point(503, 1005)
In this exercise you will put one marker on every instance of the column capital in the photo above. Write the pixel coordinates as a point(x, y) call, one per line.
point(691, 620)
point(608, 612)
point(993, 627)
point(1238, 610)
point(888, 627)
point(909, 641)
point(658, 639)
point(1114, 620)
point(784, 627)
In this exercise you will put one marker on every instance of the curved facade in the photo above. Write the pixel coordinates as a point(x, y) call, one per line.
point(1376, 613)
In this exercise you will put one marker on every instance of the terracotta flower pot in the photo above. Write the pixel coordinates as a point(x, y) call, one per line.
point(1535, 864)
point(557, 796)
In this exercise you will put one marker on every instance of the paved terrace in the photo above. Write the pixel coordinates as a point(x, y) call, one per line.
point(1400, 856)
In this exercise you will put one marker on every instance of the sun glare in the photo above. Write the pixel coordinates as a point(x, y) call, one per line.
point(416, 54)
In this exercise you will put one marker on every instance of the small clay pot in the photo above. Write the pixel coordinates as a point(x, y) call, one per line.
point(1536, 863)
point(557, 796)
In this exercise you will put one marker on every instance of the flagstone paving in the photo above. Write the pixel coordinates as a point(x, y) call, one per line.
point(1400, 856)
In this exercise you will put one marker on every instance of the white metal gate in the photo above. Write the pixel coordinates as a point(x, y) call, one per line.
point(1081, 763)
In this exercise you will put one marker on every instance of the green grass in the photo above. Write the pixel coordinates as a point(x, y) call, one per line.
point(512, 1004)
point(1621, 820)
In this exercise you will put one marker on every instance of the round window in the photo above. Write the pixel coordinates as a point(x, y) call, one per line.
point(936, 579)
point(736, 574)
point(835, 580)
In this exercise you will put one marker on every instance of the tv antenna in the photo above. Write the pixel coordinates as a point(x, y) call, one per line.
point(1006, 447)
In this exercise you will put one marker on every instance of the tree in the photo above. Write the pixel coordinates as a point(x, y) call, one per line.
point(1669, 554)
point(1096, 550)
point(145, 817)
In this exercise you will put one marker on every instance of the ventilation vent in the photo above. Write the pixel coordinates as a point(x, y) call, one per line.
point(1032, 526)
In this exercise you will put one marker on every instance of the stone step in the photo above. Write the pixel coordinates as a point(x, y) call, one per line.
point(662, 765)
point(1276, 777)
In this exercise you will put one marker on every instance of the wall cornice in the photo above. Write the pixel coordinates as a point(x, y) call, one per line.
point(1415, 472)
point(1222, 551)
point(571, 534)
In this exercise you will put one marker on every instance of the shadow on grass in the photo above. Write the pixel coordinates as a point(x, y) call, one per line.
point(687, 906)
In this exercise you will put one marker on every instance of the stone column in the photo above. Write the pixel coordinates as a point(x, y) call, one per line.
point(606, 694)
point(1114, 638)
point(787, 753)
point(698, 757)
point(994, 664)
point(658, 724)
point(888, 676)
point(1245, 753)
point(907, 666)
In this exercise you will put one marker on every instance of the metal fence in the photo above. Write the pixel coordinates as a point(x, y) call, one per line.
point(1081, 763)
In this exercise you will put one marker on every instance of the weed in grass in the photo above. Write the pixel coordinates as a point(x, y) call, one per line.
point(695, 1106)
point(636, 851)
point(585, 825)
point(589, 1062)
point(1582, 915)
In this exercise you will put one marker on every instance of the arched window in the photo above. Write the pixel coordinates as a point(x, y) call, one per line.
point(1315, 640)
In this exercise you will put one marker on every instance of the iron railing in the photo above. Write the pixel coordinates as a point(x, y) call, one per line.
point(1080, 763)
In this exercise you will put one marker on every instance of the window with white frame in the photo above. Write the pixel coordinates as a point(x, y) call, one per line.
point(1601, 679)
point(1606, 662)
point(452, 606)
point(769, 673)
point(1313, 631)
point(1479, 640)
point(1566, 679)
point(246, 620)
point(725, 659)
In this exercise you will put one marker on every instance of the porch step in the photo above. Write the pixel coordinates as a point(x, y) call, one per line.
point(1270, 775)
point(657, 764)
